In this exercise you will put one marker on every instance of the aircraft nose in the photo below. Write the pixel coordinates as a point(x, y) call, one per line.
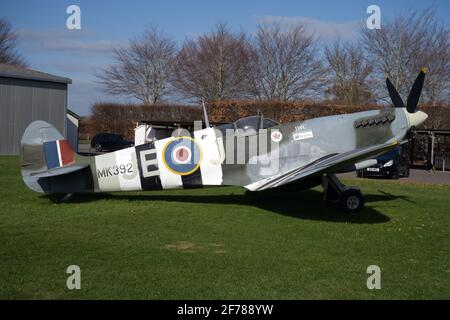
point(417, 118)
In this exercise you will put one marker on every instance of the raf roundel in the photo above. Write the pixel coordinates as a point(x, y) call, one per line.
point(276, 136)
point(182, 155)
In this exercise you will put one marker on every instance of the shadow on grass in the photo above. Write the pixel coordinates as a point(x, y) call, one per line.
point(308, 204)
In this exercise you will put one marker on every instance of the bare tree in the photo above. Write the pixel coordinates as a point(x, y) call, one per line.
point(437, 58)
point(213, 66)
point(8, 44)
point(402, 46)
point(143, 69)
point(349, 71)
point(285, 63)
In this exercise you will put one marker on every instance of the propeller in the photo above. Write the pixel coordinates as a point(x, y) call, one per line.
point(414, 94)
point(395, 97)
point(416, 89)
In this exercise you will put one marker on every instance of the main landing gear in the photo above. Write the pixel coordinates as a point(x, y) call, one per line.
point(350, 199)
point(60, 197)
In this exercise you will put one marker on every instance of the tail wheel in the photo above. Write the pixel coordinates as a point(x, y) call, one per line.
point(352, 200)
point(60, 197)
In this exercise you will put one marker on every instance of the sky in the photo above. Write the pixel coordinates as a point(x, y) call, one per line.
point(49, 46)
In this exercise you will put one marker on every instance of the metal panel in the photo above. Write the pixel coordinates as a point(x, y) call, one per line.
point(72, 131)
point(24, 101)
point(6, 117)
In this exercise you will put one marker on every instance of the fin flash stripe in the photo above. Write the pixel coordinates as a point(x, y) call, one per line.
point(58, 153)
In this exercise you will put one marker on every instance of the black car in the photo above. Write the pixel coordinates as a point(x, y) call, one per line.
point(109, 142)
point(392, 164)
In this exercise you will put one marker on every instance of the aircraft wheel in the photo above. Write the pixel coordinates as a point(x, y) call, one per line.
point(60, 197)
point(352, 200)
point(98, 147)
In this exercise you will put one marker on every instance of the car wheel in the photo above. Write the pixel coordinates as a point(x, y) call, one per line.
point(352, 200)
point(98, 147)
point(395, 175)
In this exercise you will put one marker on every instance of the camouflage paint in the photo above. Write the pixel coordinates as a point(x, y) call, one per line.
point(236, 159)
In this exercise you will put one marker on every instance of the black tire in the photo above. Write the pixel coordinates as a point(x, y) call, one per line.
point(395, 175)
point(57, 198)
point(359, 174)
point(352, 200)
point(98, 147)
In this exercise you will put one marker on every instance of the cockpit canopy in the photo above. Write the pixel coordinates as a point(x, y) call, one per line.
point(248, 125)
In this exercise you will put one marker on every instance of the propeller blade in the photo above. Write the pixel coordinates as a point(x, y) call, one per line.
point(395, 97)
point(416, 89)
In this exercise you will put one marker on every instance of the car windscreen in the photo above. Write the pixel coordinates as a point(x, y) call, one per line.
point(389, 155)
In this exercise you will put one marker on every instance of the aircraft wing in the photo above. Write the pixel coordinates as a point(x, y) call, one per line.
point(329, 164)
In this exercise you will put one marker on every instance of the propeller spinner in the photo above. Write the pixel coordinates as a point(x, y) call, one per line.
point(415, 118)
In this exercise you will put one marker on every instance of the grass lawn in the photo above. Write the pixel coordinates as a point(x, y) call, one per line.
point(220, 243)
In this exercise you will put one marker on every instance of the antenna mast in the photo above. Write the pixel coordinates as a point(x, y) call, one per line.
point(205, 114)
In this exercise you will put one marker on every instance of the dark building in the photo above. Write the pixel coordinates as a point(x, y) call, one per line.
point(25, 96)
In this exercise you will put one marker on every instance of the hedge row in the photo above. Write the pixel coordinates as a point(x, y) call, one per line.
point(122, 118)
point(231, 110)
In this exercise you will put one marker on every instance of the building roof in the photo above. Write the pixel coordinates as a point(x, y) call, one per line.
point(9, 71)
point(73, 114)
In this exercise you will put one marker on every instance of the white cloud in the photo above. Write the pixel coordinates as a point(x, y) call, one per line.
point(69, 67)
point(64, 40)
point(325, 30)
point(76, 45)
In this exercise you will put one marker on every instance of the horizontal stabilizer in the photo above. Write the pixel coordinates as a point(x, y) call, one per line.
point(57, 171)
point(46, 154)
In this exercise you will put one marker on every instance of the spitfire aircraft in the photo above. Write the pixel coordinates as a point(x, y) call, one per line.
point(254, 152)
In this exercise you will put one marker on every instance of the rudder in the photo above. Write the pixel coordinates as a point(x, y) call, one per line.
point(43, 148)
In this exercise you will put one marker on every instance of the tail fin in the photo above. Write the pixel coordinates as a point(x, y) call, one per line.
point(43, 149)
